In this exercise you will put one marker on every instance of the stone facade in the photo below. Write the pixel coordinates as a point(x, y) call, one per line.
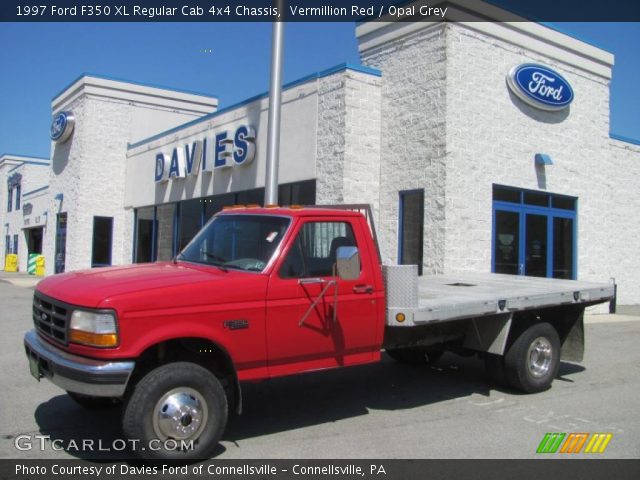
point(89, 170)
point(429, 111)
point(452, 127)
point(413, 132)
point(348, 140)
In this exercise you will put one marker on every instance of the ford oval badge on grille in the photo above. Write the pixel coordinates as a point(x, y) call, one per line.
point(540, 87)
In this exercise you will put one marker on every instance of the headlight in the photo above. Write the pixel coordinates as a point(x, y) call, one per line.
point(97, 329)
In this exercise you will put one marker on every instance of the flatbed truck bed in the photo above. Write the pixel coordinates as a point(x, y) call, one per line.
point(440, 298)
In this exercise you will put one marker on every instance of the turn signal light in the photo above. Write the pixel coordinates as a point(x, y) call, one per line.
point(400, 317)
point(93, 339)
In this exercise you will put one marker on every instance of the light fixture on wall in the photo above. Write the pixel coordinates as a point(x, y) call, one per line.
point(59, 196)
point(543, 159)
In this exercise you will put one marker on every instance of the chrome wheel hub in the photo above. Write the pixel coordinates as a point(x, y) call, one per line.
point(540, 355)
point(180, 414)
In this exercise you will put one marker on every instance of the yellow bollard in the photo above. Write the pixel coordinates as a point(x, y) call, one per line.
point(40, 266)
point(11, 263)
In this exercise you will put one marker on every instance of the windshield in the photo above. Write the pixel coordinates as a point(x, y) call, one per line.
point(243, 242)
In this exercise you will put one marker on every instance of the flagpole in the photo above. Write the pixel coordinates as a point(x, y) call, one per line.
point(275, 100)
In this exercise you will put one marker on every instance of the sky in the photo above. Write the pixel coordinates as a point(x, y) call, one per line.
point(228, 60)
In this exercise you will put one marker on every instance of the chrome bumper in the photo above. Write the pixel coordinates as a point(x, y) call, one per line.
point(74, 373)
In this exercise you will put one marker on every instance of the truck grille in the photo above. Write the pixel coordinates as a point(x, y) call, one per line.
point(51, 317)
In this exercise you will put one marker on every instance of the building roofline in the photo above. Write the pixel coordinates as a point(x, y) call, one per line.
point(496, 21)
point(23, 158)
point(35, 191)
point(140, 84)
point(307, 78)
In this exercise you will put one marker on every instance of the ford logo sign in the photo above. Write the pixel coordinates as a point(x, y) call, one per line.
point(540, 87)
point(62, 126)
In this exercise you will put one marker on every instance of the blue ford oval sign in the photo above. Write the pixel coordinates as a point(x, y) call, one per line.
point(540, 86)
point(62, 126)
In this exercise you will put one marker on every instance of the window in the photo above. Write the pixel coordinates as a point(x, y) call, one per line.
point(7, 244)
point(15, 244)
point(10, 199)
point(411, 228)
point(18, 192)
point(213, 205)
point(102, 240)
point(144, 235)
point(162, 231)
point(299, 193)
point(165, 216)
point(61, 242)
point(534, 233)
point(190, 221)
point(313, 253)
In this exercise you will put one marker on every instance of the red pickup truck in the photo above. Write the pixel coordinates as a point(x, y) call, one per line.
point(265, 292)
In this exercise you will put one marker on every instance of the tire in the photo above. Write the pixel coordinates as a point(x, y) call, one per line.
point(415, 355)
point(93, 403)
point(533, 359)
point(194, 406)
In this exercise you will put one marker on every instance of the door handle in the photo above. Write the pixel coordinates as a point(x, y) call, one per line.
point(363, 289)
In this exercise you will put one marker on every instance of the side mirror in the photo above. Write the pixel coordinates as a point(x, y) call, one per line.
point(348, 263)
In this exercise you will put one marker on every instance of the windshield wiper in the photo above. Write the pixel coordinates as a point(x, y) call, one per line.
point(217, 261)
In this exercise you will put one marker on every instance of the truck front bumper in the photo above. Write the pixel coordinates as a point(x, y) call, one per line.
point(74, 373)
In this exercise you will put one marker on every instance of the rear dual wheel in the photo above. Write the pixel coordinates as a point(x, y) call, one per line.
point(531, 362)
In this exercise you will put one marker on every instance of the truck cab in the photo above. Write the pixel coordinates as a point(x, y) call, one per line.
point(256, 294)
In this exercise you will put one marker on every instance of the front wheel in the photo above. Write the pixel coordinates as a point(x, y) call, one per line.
point(533, 360)
point(176, 412)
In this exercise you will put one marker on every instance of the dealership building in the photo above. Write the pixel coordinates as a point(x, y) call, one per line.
point(481, 146)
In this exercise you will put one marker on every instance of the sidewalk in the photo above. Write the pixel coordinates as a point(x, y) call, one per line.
point(609, 318)
point(19, 279)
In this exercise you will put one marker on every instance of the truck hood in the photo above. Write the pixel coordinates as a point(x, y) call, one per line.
point(99, 287)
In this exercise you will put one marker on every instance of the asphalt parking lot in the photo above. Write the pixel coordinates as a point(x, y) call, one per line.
point(384, 410)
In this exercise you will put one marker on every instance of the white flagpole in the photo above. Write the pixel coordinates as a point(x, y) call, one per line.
point(275, 94)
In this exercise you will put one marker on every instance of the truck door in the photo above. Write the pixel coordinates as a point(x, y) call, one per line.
point(302, 333)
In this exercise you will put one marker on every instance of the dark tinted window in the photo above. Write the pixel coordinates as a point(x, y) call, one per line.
point(565, 203)
point(503, 194)
point(190, 221)
point(412, 228)
point(102, 238)
point(535, 198)
point(144, 234)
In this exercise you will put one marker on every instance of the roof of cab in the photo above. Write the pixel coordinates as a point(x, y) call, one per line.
point(293, 211)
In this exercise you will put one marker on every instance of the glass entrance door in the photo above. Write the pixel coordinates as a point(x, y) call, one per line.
point(533, 233)
point(506, 240)
point(535, 248)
